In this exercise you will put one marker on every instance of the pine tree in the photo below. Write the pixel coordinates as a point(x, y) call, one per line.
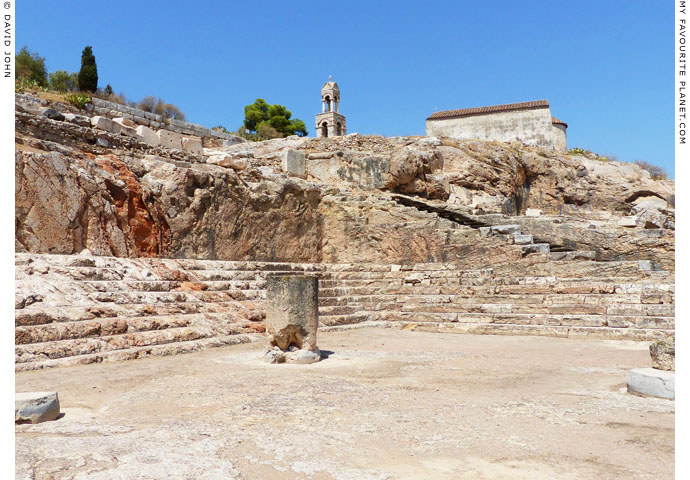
point(88, 75)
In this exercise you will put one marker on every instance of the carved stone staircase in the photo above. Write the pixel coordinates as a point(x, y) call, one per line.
point(78, 310)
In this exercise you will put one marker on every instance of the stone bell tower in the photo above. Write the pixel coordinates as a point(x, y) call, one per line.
point(330, 123)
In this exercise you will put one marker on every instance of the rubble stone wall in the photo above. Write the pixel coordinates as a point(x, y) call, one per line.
point(148, 119)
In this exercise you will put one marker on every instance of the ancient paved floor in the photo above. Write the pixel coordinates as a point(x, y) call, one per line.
point(386, 404)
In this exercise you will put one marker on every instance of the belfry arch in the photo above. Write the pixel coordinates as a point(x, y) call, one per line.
point(330, 123)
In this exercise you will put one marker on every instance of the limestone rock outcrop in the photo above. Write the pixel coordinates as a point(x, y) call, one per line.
point(80, 188)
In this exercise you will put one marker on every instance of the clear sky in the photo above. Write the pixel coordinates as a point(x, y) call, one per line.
point(606, 66)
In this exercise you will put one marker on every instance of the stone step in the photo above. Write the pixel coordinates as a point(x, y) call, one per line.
point(619, 321)
point(171, 348)
point(495, 307)
point(544, 285)
point(499, 230)
point(562, 269)
point(474, 298)
point(82, 346)
point(523, 238)
point(649, 294)
point(604, 333)
point(345, 319)
point(168, 285)
point(536, 248)
point(36, 315)
point(87, 266)
point(29, 260)
point(119, 325)
point(105, 298)
point(573, 255)
point(95, 328)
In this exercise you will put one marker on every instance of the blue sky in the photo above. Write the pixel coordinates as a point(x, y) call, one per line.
point(605, 66)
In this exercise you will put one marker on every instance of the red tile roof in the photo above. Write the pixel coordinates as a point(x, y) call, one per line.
point(466, 112)
point(554, 120)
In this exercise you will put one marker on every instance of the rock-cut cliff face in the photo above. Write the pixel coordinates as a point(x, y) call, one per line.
point(78, 188)
point(126, 206)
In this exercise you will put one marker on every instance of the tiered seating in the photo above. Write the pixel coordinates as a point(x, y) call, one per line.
point(74, 309)
point(635, 305)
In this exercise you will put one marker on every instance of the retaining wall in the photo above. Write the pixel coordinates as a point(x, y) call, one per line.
point(148, 119)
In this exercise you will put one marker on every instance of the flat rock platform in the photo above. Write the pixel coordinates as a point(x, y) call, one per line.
point(383, 404)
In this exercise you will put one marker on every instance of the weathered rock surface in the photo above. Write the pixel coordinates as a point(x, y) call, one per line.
point(84, 188)
point(36, 407)
point(663, 354)
point(652, 382)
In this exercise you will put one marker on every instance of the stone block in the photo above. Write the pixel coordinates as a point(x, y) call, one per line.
point(663, 354)
point(292, 318)
point(53, 114)
point(505, 229)
point(574, 255)
point(294, 163)
point(236, 163)
point(533, 212)
point(628, 222)
point(192, 145)
point(80, 120)
point(170, 139)
point(148, 135)
point(36, 407)
point(232, 141)
point(644, 265)
point(125, 121)
point(652, 382)
point(431, 141)
point(536, 248)
point(105, 124)
point(523, 239)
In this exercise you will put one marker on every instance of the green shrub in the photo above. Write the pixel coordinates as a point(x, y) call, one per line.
point(656, 172)
point(61, 81)
point(31, 67)
point(265, 131)
point(577, 151)
point(24, 84)
point(79, 100)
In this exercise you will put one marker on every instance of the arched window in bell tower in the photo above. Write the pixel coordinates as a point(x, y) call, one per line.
point(330, 122)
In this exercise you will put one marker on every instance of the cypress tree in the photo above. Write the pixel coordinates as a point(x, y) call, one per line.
point(88, 75)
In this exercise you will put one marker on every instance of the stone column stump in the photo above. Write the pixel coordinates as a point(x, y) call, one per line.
point(292, 318)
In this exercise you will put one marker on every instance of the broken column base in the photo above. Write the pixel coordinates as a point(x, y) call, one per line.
point(652, 382)
point(298, 356)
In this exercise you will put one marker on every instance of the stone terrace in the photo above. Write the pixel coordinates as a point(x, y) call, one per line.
point(78, 309)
